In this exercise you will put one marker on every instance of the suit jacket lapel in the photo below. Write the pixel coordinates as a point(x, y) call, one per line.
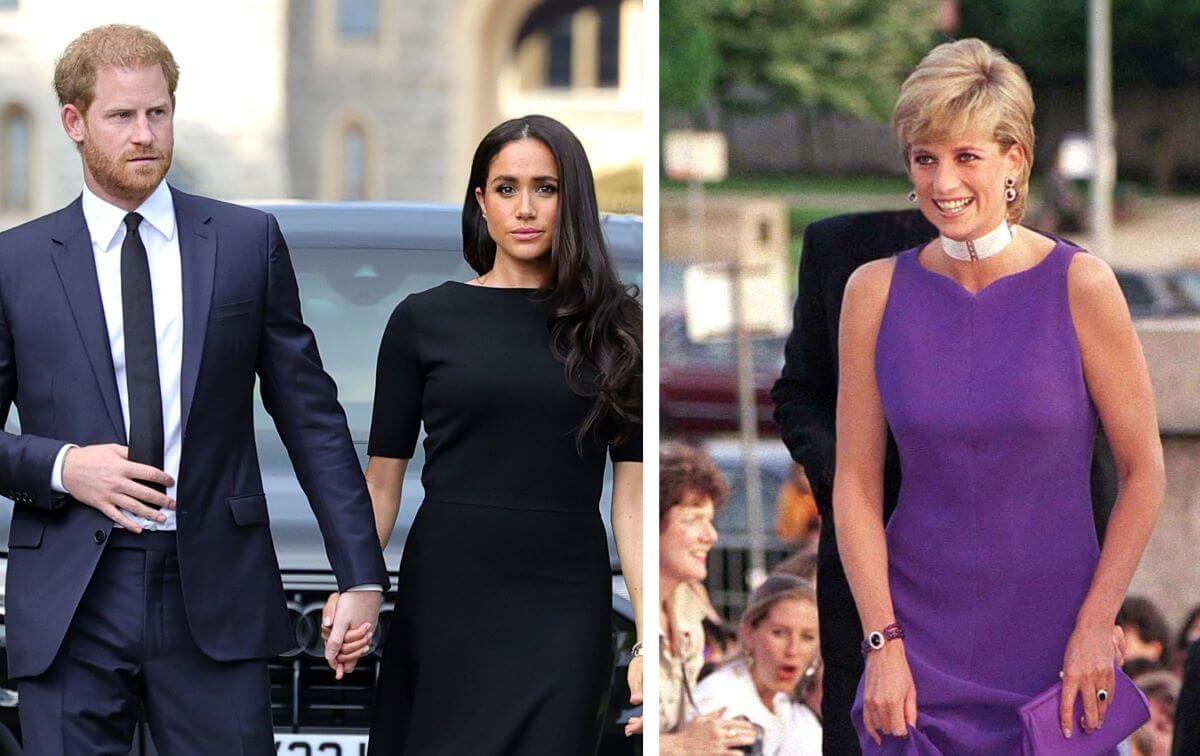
point(198, 250)
point(76, 265)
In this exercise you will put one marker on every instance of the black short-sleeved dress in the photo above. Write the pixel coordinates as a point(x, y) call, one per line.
point(500, 639)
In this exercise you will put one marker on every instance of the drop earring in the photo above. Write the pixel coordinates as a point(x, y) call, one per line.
point(1010, 190)
point(811, 669)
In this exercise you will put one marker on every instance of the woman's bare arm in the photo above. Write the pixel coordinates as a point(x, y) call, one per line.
point(889, 695)
point(1114, 369)
point(385, 481)
point(861, 444)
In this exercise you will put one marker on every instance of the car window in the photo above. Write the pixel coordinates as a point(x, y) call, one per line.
point(734, 516)
point(346, 297)
point(765, 351)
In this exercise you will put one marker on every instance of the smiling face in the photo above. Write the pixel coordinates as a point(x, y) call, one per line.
point(520, 200)
point(783, 644)
point(960, 182)
point(686, 537)
point(126, 136)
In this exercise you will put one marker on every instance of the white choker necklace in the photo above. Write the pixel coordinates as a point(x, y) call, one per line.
point(991, 243)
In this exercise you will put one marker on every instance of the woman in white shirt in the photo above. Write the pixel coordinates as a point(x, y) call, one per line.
point(779, 640)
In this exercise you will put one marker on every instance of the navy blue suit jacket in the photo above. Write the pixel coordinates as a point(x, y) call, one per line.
point(241, 319)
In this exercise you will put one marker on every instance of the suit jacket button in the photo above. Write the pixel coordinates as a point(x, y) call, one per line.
point(99, 536)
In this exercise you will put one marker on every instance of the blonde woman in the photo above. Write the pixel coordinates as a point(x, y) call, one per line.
point(990, 352)
point(780, 653)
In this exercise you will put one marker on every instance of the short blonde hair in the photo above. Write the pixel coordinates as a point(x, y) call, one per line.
point(963, 85)
point(111, 46)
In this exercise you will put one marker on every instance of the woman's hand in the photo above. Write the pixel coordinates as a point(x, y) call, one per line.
point(1087, 668)
point(711, 735)
point(355, 644)
point(635, 694)
point(889, 695)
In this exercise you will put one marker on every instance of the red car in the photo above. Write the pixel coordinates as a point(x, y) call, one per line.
point(698, 382)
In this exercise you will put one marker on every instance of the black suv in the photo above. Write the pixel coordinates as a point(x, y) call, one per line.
point(354, 263)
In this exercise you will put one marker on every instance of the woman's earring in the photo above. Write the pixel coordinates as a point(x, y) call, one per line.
point(912, 196)
point(484, 217)
point(1010, 191)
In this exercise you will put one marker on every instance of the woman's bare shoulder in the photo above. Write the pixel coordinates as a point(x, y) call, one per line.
point(869, 283)
point(1091, 284)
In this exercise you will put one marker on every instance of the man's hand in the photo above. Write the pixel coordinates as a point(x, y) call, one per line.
point(102, 477)
point(348, 624)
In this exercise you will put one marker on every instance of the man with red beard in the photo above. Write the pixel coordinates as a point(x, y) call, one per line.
point(133, 323)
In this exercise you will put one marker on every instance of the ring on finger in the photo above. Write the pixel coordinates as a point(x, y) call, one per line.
point(1102, 695)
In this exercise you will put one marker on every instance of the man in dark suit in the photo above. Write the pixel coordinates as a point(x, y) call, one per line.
point(805, 409)
point(1186, 739)
point(133, 323)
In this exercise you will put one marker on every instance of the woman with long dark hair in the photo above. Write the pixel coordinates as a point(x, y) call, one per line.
point(525, 378)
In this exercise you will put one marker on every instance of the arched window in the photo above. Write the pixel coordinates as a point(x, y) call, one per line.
point(579, 41)
point(609, 65)
point(354, 163)
point(558, 64)
point(16, 135)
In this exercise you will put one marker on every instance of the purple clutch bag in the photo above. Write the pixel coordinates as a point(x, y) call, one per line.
point(1127, 711)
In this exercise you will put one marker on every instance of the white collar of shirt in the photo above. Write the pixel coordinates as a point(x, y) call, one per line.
point(105, 220)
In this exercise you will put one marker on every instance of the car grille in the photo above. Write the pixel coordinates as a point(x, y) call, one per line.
point(304, 693)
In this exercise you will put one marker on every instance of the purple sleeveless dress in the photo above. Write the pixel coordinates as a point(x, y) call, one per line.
point(992, 545)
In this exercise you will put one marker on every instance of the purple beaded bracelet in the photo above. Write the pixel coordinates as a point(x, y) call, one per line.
point(874, 641)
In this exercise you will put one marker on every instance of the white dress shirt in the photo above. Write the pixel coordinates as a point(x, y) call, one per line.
point(106, 225)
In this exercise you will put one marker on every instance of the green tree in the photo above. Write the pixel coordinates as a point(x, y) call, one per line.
point(847, 55)
point(1154, 53)
point(688, 58)
point(1154, 41)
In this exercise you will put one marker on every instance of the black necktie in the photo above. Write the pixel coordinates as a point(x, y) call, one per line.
point(141, 352)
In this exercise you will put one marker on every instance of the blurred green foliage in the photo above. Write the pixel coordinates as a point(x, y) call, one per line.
point(689, 61)
point(1154, 41)
point(784, 185)
point(846, 55)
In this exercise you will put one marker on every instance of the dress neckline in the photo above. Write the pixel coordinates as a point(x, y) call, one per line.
point(964, 291)
point(522, 289)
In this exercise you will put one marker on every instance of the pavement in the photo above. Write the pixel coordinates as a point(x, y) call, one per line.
point(1164, 233)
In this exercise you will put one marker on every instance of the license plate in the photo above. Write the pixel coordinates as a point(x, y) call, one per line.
point(321, 745)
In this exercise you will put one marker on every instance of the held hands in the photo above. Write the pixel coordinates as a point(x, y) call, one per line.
point(635, 694)
point(889, 695)
point(102, 477)
point(1092, 651)
point(713, 735)
point(348, 625)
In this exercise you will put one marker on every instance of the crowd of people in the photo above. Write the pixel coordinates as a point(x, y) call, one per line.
point(753, 687)
point(1156, 658)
